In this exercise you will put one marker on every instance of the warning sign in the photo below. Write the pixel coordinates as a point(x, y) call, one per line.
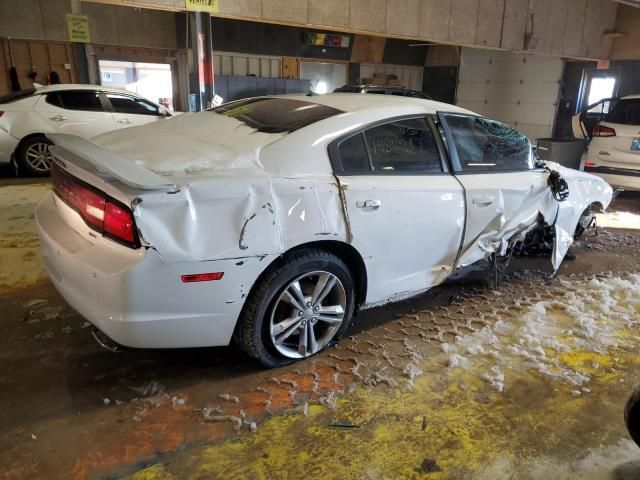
point(78, 26)
point(211, 6)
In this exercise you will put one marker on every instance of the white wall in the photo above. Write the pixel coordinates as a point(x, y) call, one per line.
point(518, 89)
point(409, 76)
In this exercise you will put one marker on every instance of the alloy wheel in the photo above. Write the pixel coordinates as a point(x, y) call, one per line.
point(39, 157)
point(307, 314)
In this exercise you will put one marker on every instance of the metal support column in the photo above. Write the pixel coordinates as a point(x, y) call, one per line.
point(201, 75)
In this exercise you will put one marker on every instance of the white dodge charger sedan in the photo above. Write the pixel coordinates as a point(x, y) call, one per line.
point(272, 220)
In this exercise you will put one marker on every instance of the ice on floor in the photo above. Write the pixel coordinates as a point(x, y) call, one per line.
point(588, 315)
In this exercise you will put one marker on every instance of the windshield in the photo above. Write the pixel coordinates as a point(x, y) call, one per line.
point(276, 115)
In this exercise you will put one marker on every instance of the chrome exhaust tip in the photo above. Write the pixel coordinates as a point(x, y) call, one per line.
point(105, 341)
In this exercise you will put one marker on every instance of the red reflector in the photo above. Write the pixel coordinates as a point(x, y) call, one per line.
point(118, 222)
point(589, 164)
point(202, 277)
point(602, 131)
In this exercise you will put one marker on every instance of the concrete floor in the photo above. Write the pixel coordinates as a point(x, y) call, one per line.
point(526, 382)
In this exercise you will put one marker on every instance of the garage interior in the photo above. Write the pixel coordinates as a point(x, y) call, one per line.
point(525, 381)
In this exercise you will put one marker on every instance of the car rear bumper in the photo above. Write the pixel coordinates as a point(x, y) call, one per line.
point(8, 145)
point(134, 296)
point(617, 177)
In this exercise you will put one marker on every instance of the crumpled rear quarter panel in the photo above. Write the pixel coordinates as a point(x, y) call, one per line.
point(235, 216)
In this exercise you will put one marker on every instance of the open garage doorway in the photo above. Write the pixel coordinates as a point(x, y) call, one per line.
point(151, 80)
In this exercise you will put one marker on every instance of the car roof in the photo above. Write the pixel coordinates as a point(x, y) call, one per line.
point(353, 102)
point(79, 86)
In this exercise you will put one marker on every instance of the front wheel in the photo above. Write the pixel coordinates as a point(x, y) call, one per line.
point(297, 308)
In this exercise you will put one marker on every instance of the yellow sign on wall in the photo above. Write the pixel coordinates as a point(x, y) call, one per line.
point(211, 6)
point(78, 26)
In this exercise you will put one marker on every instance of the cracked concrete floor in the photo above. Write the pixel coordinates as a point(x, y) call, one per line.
point(528, 381)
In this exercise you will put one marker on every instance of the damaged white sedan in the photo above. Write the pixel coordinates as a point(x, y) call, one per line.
point(271, 220)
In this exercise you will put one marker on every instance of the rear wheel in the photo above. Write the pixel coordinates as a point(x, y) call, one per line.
point(33, 156)
point(297, 309)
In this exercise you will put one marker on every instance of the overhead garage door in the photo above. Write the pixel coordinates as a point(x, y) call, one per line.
point(518, 89)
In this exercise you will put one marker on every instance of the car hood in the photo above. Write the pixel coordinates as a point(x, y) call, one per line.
point(189, 144)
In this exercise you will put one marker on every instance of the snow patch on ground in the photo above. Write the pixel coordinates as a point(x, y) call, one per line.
point(589, 315)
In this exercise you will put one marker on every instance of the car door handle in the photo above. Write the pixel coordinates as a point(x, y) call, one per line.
point(484, 201)
point(58, 118)
point(369, 204)
point(124, 121)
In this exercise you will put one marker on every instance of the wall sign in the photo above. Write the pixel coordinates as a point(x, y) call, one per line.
point(326, 40)
point(211, 6)
point(78, 26)
point(603, 65)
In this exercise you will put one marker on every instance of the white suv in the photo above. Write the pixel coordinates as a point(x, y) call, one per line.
point(614, 151)
point(26, 117)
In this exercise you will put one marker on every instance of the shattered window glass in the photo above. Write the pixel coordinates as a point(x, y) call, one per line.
point(487, 145)
point(403, 146)
point(276, 115)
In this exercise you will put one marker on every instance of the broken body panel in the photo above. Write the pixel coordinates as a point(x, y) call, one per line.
point(237, 200)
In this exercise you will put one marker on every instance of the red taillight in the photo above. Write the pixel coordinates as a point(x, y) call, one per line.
point(202, 277)
point(98, 210)
point(1, 113)
point(602, 131)
point(118, 222)
point(589, 164)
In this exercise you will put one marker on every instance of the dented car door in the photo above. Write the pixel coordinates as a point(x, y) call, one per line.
point(504, 191)
point(405, 210)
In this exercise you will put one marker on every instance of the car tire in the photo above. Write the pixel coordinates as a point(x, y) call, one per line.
point(272, 328)
point(33, 156)
point(632, 416)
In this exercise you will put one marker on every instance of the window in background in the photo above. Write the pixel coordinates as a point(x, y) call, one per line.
point(151, 80)
point(600, 89)
point(324, 77)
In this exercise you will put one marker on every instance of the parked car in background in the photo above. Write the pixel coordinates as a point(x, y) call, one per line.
point(583, 122)
point(273, 219)
point(382, 90)
point(26, 118)
point(614, 150)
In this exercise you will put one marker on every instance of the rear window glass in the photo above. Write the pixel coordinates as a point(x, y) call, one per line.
point(276, 115)
point(625, 112)
point(86, 100)
point(12, 97)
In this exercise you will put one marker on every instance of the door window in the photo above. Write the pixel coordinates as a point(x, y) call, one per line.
point(132, 105)
point(485, 145)
point(400, 147)
point(403, 146)
point(88, 101)
point(353, 155)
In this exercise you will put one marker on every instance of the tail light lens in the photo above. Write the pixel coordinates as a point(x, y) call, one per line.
point(1, 113)
point(602, 131)
point(98, 210)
